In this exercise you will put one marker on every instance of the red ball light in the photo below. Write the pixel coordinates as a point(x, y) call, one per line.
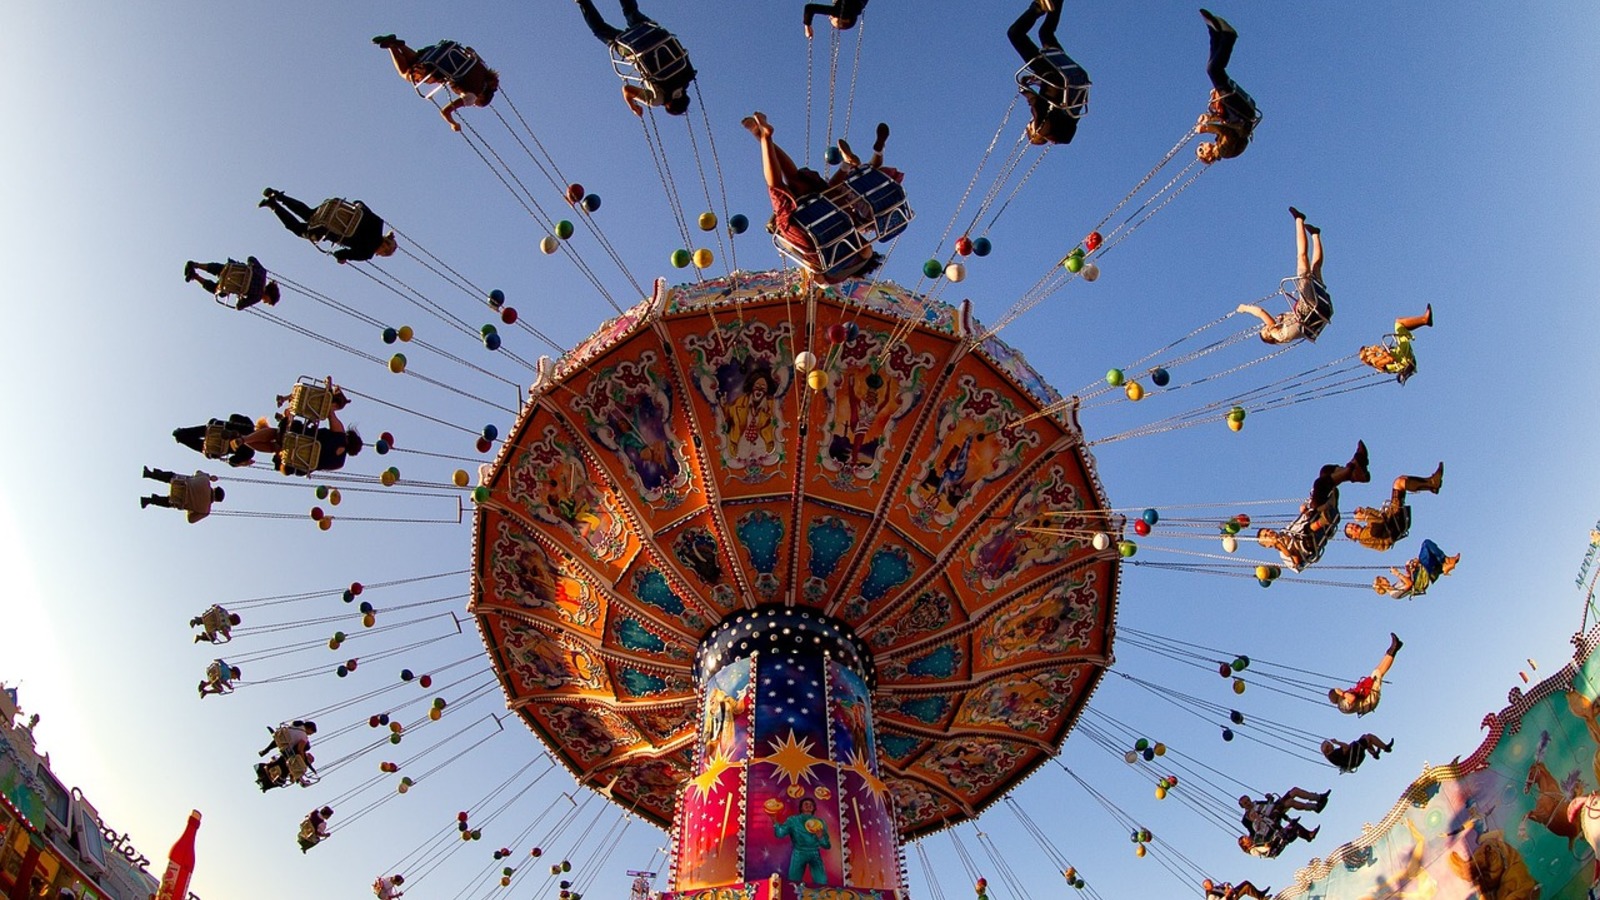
point(461, 816)
point(1141, 527)
point(964, 245)
point(483, 445)
point(317, 514)
point(426, 681)
point(387, 438)
point(1092, 242)
point(508, 316)
point(574, 192)
point(838, 333)
point(356, 588)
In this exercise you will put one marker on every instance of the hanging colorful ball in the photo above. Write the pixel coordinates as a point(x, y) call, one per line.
point(480, 494)
point(405, 333)
point(483, 445)
point(368, 620)
point(1243, 662)
point(983, 884)
point(1114, 377)
point(1101, 540)
point(1161, 792)
point(1141, 743)
point(1238, 685)
point(366, 607)
point(383, 718)
point(680, 258)
point(462, 816)
point(1237, 413)
point(403, 786)
point(325, 524)
point(1073, 264)
point(1261, 573)
point(564, 229)
point(1236, 717)
point(1126, 549)
point(1230, 527)
point(1243, 520)
point(548, 244)
point(708, 221)
point(1227, 734)
point(491, 341)
point(702, 258)
point(981, 246)
point(1235, 424)
point(816, 379)
point(1149, 754)
point(1091, 242)
point(805, 361)
point(372, 722)
point(390, 335)
point(837, 333)
point(1140, 527)
point(1131, 757)
point(852, 330)
point(1135, 391)
point(574, 192)
point(342, 671)
point(425, 681)
point(317, 514)
point(1230, 544)
point(434, 714)
point(956, 272)
point(1161, 750)
point(1225, 670)
point(348, 596)
point(932, 268)
point(536, 852)
point(387, 478)
point(397, 363)
point(505, 881)
point(509, 315)
point(591, 202)
point(497, 298)
point(964, 245)
point(1091, 272)
point(738, 223)
point(832, 156)
point(566, 866)
point(490, 432)
point(507, 870)
point(460, 478)
point(334, 497)
point(1160, 377)
point(487, 329)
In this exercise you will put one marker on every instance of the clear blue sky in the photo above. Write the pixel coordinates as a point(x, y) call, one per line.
point(1446, 150)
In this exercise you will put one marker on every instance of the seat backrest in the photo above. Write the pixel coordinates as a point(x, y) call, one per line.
point(300, 453)
point(1062, 81)
point(654, 55)
point(336, 218)
point(448, 60)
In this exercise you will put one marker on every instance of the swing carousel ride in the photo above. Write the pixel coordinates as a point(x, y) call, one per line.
point(798, 565)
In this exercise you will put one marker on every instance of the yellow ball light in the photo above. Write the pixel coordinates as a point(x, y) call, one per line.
point(708, 221)
point(1135, 391)
point(702, 258)
point(816, 379)
point(460, 478)
point(325, 523)
point(1235, 424)
point(405, 332)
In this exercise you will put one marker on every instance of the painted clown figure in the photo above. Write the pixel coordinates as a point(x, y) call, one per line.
point(808, 837)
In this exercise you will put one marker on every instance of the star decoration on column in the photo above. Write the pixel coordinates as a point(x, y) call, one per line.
point(858, 765)
point(794, 759)
point(706, 782)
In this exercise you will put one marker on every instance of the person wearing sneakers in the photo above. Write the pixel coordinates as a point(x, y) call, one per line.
point(1363, 696)
point(1267, 825)
point(367, 240)
point(1053, 122)
point(191, 493)
point(1346, 757)
point(1313, 308)
point(1379, 529)
point(1429, 565)
point(456, 67)
point(667, 88)
point(1224, 891)
point(786, 184)
point(1399, 360)
point(1302, 542)
point(842, 13)
point(1231, 114)
point(247, 280)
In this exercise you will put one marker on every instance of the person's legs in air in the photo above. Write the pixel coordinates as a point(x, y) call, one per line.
point(1019, 33)
point(1222, 38)
point(603, 30)
point(1047, 29)
point(1411, 323)
point(631, 14)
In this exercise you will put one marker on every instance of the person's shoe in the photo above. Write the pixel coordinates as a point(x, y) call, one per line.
point(848, 154)
point(1395, 643)
point(1389, 747)
point(148, 474)
point(1312, 229)
point(882, 137)
point(1312, 834)
point(188, 270)
point(144, 502)
point(1427, 317)
point(1297, 214)
point(1358, 464)
point(1047, 5)
point(1436, 480)
point(1449, 564)
point(1217, 23)
point(1322, 800)
point(384, 40)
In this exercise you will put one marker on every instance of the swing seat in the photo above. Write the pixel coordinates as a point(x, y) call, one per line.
point(1064, 78)
point(1239, 111)
point(218, 441)
point(218, 677)
point(1313, 312)
point(1405, 359)
point(242, 280)
point(178, 493)
point(310, 400)
point(308, 836)
point(834, 236)
point(446, 63)
point(1308, 543)
point(873, 192)
point(650, 55)
point(300, 454)
point(336, 219)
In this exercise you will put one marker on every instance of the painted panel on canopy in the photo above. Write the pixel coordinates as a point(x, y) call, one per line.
point(629, 407)
point(1036, 705)
point(967, 453)
point(1019, 540)
point(920, 711)
point(649, 589)
point(745, 395)
point(646, 683)
point(898, 301)
point(828, 539)
point(975, 767)
point(518, 574)
point(948, 661)
point(666, 724)
point(1066, 620)
point(587, 735)
point(549, 481)
point(701, 560)
point(762, 545)
point(890, 565)
point(861, 421)
point(897, 749)
point(652, 784)
point(538, 664)
point(916, 617)
point(721, 294)
point(920, 808)
point(633, 635)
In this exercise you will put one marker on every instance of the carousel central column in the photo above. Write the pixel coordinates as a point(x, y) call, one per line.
point(786, 802)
